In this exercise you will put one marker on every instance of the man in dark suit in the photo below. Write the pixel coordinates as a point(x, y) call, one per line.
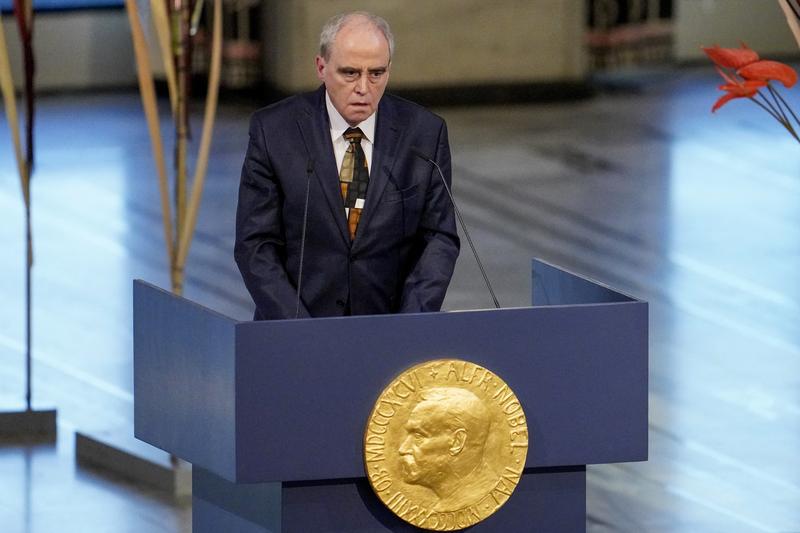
point(380, 234)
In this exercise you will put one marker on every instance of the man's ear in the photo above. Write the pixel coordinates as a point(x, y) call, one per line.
point(458, 442)
point(320, 62)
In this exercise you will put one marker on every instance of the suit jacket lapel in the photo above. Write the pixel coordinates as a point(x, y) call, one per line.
point(315, 130)
point(387, 134)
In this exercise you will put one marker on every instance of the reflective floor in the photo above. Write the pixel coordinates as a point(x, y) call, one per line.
point(640, 187)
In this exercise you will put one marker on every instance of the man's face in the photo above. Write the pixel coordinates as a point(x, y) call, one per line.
point(357, 71)
point(424, 453)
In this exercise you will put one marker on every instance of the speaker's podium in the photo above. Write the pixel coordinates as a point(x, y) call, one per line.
point(272, 415)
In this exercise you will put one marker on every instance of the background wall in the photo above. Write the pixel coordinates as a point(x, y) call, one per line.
point(759, 23)
point(447, 42)
point(76, 49)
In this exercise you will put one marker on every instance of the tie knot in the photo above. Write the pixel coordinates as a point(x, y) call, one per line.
point(353, 135)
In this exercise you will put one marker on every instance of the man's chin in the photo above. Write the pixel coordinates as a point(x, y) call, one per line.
point(357, 115)
point(410, 475)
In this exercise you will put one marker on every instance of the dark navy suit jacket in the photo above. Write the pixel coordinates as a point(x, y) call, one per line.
point(406, 245)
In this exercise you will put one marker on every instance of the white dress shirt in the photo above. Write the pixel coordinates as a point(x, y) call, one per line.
point(338, 127)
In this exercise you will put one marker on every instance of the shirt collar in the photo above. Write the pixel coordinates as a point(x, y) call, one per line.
point(339, 124)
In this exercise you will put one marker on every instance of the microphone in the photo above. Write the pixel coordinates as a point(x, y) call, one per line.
point(424, 157)
point(309, 171)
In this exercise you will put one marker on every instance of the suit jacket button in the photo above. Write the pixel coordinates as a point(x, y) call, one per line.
point(340, 303)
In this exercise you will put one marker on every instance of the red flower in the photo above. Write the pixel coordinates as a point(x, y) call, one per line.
point(745, 74)
point(768, 71)
point(734, 58)
point(736, 88)
point(748, 89)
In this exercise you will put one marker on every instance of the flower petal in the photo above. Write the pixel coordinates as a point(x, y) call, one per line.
point(731, 57)
point(724, 99)
point(748, 88)
point(769, 70)
point(726, 77)
point(738, 89)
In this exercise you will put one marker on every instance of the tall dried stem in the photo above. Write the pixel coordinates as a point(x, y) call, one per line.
point(791, 10)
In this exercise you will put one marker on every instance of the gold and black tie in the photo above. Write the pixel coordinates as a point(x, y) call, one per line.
point(353, 179)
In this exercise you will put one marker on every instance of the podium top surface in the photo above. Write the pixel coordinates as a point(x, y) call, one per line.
point(289, 400)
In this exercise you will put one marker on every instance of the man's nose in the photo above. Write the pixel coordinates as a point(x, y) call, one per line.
point(361, 85)
point(404, 447)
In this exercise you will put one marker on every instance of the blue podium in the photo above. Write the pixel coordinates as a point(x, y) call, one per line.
point(272, 414)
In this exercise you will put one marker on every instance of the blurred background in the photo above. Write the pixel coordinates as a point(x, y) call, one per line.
point(581, 134)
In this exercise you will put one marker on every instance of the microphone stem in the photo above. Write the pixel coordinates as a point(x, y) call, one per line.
point(466, 233)
point(309, 170)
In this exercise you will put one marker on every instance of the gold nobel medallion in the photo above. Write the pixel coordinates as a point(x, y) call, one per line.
point(445, 444)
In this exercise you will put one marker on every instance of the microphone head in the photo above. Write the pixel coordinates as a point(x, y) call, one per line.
point(310, 167)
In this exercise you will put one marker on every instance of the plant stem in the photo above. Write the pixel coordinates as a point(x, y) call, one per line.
point(181, 51)
point(786, 124)
point(777, 102)
point(28, 296)
point(768, 107)
point(777, 95)
point(793, 8)
point(781, 104)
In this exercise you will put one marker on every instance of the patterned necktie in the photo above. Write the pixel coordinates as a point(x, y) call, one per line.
point(353, 179)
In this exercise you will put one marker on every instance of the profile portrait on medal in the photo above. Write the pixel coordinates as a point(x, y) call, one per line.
point(444, 447)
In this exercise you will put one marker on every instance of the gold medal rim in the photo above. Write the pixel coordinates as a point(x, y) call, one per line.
point(375, 407)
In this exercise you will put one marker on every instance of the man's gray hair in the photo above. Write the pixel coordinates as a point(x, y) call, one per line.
point(335, 23)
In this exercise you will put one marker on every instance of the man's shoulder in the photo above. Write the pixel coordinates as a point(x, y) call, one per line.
point(412, 115)
point(405, 107)
point(289, 108)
